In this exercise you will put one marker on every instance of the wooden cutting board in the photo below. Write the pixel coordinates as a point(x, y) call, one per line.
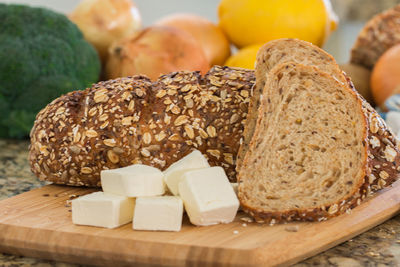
point(38, 224)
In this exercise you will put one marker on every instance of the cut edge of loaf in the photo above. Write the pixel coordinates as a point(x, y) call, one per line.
point(384, 164)
point(262, 68)
point(313, 213)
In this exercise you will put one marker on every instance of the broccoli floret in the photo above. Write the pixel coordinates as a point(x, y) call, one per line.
point(42, 56)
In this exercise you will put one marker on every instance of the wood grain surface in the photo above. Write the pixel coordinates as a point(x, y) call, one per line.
point(38, 224)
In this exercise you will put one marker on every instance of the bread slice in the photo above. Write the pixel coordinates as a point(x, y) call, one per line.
point(319, 158)
point(378, 35)
point(276, 52)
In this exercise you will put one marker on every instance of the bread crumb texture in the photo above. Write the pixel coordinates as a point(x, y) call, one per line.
point(328, 149)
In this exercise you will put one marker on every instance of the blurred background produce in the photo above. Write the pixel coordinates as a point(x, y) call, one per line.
point(244, 57)
point(385, 79)
point(154, 51)
point(42, 55)
point(212, 39)
point(154, 37)
point(259, 21)
point(105, 21)
point(352, 15)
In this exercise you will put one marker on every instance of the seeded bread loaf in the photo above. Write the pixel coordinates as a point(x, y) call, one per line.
point(377, 36)
point(324, 149)
point(133, 120)
point(273, 53)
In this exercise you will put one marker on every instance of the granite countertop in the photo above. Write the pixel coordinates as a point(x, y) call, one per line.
point(377, 247)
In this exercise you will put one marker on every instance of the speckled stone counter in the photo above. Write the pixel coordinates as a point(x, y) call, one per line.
point(377, 247)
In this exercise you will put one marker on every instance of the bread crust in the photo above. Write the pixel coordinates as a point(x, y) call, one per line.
point(131, 120)
point(381, 167)
point(378, 35)
point(384, 148)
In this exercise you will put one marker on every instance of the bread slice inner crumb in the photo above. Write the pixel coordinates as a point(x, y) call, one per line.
point(307, 150)
point(278, 52)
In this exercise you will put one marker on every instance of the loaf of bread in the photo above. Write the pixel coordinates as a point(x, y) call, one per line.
point(377, 36)
point(276, 52)
point(327, 148)
point(133, 120)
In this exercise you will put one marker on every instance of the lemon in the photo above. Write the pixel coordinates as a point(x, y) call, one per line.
point(259, 21)
point(244, 58)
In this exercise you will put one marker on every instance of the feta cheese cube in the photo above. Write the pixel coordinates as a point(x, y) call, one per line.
point(174, 173)
point(208, 196)
point(158, 213)
point(235, 187)
point(102, 210)
point(393, 120)
point(133, 181)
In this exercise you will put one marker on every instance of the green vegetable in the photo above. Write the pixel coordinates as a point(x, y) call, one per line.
point(42, 56)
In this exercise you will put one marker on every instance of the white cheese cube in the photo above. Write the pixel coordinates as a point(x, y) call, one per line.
point(133, 181)
point(158, 213)
point(174, 173)
point(102, 210)
point(208, 196)
point(393, 120)
point(235, 187)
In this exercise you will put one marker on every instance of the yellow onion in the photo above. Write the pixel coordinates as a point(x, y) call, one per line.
point(154, 51)
point(104, 21)
point(209, 35)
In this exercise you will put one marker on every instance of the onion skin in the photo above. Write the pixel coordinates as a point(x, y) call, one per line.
point(104, 21)
point(385, 78)
point(212, 39)
point(155, 51)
